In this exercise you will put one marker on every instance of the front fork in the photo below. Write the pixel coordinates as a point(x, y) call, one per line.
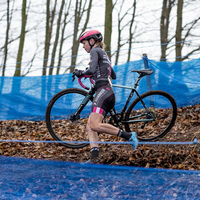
point(87, 98)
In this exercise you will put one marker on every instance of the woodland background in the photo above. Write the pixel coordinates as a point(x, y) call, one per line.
point(41, 37)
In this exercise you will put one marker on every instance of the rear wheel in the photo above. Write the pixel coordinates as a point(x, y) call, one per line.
point(154, 121)
point(61, 122)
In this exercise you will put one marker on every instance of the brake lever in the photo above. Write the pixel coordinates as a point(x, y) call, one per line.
point(73, 76)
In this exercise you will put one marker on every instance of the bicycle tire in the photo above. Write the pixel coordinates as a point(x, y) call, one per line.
point(59, 110)
point(163, 107)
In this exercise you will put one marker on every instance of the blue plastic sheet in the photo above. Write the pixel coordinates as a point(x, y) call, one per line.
point(22, 178)
point(26, 98)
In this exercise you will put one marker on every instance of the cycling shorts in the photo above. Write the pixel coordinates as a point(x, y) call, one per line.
point(104, 100)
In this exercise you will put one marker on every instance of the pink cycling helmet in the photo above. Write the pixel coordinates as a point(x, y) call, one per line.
point(91, 34)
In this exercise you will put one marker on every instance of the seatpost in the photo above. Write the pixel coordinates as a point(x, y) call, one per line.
point(138, 80)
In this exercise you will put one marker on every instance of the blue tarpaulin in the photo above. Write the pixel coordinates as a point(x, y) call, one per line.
point(26, 98)
point(22, 178)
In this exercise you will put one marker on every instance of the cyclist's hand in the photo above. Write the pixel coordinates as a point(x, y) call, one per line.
point(78, 73)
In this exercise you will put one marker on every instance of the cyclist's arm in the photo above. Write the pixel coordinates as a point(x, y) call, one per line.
point(93, 63)
point(113, 75)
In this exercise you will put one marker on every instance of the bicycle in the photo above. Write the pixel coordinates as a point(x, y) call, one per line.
point(151, 115)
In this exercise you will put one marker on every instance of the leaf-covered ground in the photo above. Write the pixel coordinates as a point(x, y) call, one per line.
point(187, 127)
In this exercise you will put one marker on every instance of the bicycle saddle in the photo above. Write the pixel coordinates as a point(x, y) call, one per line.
point(143, 71)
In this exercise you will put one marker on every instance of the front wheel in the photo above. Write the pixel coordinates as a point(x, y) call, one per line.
point(62, 122)
point(152, 115)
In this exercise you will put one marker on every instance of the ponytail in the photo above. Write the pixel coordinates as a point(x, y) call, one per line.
point(102, 45)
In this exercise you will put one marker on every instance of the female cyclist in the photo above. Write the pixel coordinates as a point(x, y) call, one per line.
point(104, 100)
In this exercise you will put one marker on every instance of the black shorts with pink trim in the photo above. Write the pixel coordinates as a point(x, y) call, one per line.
point(104, 100)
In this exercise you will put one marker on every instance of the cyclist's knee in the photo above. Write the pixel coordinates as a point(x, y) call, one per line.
point(94, 122)
point(91, 125)
point(95, 126)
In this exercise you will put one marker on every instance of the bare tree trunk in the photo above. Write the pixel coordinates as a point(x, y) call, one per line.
point(164, 26)
point(179, 30)
point(31, 63)
point(120, 28)
point(49, 27)
point(75, 43)
point(56, 39)
point(188, 33)
point(22, 39)
point(118, 43)
point(62, 38)
point(119, 33)
point(46, 48)
point(7, 37)
point(61, 46)
point(78, 15)
point(108, 26)
point(130, 31)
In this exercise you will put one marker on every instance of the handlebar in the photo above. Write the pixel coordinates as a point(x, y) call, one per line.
point(80, 82)
point(82, 85)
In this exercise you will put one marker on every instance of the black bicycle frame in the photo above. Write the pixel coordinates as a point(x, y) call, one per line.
point(113, 113)
point(122, 113)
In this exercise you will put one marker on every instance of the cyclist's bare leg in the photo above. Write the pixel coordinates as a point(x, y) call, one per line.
point(92, 135)
point(95, 126)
